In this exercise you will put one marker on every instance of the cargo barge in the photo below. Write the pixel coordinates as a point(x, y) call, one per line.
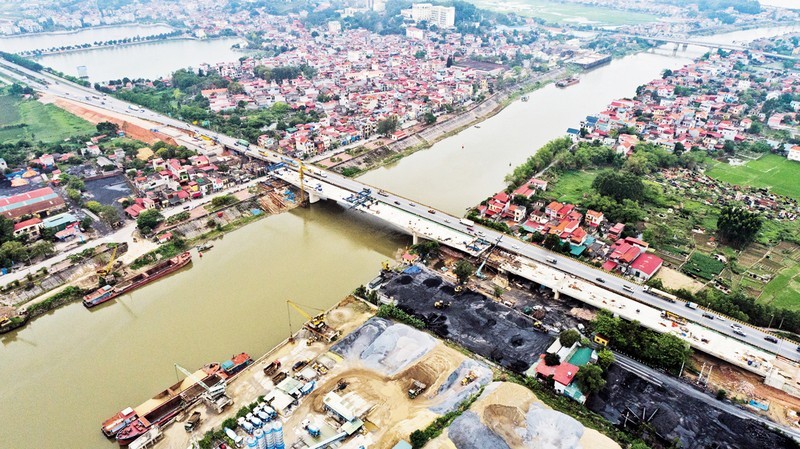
point(566, 82)
point(133, 422)
point(108, 292)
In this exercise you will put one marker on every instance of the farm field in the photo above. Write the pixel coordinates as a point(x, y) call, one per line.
point(775, 172)
point(552, 11)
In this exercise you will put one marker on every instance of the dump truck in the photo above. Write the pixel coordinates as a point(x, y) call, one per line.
point(192, 422)
point(416, 388)
point(272, 367)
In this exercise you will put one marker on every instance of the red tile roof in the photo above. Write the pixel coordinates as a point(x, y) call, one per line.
point(562, 373)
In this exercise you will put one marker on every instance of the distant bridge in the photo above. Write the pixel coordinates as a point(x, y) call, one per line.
point(687, 41)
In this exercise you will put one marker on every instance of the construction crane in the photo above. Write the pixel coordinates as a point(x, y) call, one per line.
point(213, 391)
point(301, 169)
point(107, 269)
point(315, 322)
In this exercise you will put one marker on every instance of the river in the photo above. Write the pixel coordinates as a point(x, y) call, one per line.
point(67, 371)
point(461, 171)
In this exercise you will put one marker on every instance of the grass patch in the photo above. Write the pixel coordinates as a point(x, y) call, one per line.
point(571, 186)
point(32, 120)
point(771, 171)
point(703, 266)
point(9, 114)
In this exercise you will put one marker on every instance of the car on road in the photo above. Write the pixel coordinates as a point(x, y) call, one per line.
point(739, 332)
point(627, 288)
point(600, 280)
point(412, 204)
point(515, 246)
point(771, 339)
point(431, 211)
point(736, 326)
point(397, 203)
point(447, 221)
point(708, 315)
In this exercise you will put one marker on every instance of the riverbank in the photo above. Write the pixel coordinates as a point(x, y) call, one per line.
point(81, 30)
point(205, 226)
point(426, 137)
point(39, 53)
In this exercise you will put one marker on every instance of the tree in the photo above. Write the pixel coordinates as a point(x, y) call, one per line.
point(552, 359)
point(429, 118)
point(605, 359)
point(107, 128)
point(569, 337)
point(679, 149)
point(94, 206)
point(426, 249)
point(388, 126)
point(666, 73)
point(109, 215)
point(737, 226)
point(552, 241)
point(148, 220)
point(86, 222)
point(591, 379)
point(13, 251)
point(6, 230)
point(41, 248)
point(418, 439)
point(620, 185)
point(463, 270)
point(729, 147)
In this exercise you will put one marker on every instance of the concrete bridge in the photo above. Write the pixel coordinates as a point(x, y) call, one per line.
point(420, 221)
point(685, 41)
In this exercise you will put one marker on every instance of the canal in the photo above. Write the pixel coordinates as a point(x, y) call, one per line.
point(67, 371)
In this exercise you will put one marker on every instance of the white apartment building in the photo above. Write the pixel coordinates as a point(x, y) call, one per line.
point(441, 16)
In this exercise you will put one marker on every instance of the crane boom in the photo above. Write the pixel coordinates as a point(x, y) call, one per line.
point(213, 391)
point(107, 269)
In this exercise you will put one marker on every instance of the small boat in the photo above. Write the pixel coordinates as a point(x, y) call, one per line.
point(477, 126)
point(204, 247)
point(113, 425)
point(236, 363)
point(566, 82)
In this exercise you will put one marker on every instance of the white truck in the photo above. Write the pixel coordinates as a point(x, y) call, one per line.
point(466, 222)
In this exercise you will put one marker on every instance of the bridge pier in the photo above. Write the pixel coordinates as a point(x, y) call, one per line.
point(556, 294)
point(414, 238)
point(313, 198)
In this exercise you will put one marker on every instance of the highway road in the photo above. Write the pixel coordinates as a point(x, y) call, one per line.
point(753, 336)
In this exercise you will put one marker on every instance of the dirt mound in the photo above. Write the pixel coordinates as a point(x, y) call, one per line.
point(429, 371)
point(405, 280)
point(504, 420)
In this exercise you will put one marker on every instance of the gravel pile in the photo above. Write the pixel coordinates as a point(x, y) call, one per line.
point(386, 347)
point(468, 432)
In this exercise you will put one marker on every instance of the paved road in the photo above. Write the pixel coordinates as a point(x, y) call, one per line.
point(752, 336)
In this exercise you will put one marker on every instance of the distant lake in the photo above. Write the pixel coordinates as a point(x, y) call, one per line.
point(36, 41)
point(148, 60)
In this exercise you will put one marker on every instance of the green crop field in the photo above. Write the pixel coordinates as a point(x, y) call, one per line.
point(775, 172)
point(552, 11)
point(784, 290)
point(571, 186)
point(703, 266)
point(43, 122)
